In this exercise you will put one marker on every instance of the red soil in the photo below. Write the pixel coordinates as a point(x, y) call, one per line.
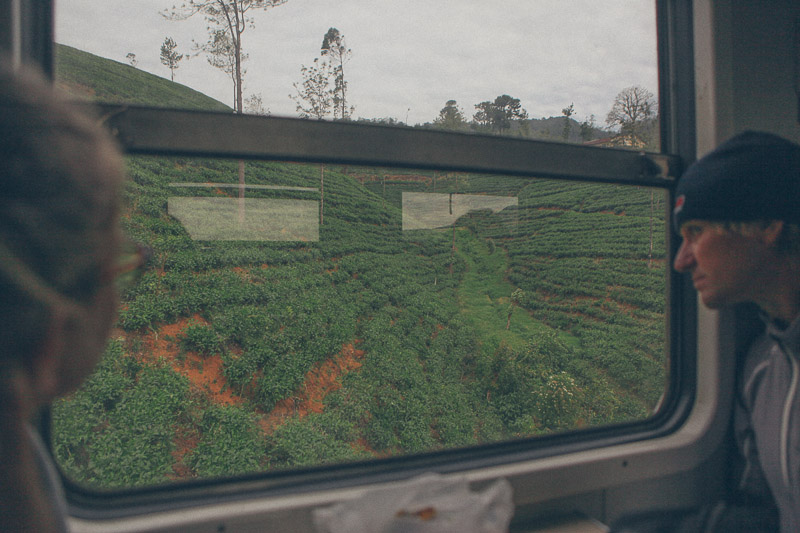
point(205, 375)
point(185, 441)
point(319, 382)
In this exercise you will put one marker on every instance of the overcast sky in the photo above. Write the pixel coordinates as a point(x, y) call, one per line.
point(408, 56)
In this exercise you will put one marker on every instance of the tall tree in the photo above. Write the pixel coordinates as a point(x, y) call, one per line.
point(335, 47)
point(587, 129)
point(170, 56)
point(500, 113)
point(633, 108)
point(484, 113)
point(451, 117)
point(314, 96)
point(220, 54)
point(227, 22)
point(567, 112)
point(506, 110)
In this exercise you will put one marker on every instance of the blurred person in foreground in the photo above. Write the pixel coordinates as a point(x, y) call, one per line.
point(61, 249)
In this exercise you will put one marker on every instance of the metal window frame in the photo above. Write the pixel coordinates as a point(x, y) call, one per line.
point(26, 33)
point(155, 131)
point(169, 132)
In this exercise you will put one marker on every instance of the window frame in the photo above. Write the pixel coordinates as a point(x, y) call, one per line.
point(153, 131)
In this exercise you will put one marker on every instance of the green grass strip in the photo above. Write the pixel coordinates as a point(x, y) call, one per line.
point(484, 296)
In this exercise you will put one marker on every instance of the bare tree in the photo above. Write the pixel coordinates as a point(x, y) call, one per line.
point(220, 54)
point(334, 46)
point(170, 56)
point(632, 109)
point(567, 112)
point(254, 105)
point(228, 20)
point(314, 96)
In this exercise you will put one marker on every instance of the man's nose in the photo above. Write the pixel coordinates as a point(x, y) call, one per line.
point(684, 259)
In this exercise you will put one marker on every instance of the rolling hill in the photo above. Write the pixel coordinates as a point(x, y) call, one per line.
point(272, 337)
point(85, 75)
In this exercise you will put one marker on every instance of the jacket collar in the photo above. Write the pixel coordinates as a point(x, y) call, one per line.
point(787, 335)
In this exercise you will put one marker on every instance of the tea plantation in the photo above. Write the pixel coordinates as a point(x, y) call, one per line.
point(359, 340)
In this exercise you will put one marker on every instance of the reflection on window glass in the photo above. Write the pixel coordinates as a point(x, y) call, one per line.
point(382, 312)
point(438, 210)
point(579, 72)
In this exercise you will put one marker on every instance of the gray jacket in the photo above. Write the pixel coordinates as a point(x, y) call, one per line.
point(767, 421)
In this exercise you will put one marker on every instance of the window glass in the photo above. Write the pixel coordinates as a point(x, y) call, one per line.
point(581, 71)
point(320, 314)
point(294, 315)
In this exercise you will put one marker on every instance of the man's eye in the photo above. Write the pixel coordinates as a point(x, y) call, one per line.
point(692, 231)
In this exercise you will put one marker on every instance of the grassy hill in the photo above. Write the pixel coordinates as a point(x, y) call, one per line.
point(266, 345)
point(89, 76)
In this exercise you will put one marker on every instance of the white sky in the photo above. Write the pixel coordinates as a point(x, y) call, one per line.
point(409, 56)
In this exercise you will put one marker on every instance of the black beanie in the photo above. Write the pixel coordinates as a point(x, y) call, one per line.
point(752, 176)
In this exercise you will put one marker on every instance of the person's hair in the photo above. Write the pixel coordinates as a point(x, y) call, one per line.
point(60, 175)
point(788, 242)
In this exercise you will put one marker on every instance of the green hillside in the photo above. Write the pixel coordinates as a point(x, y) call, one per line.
point(402, 311)
point(89, 76)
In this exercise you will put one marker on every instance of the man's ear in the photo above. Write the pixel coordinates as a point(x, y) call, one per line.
point(47, 358)
point(772, 232)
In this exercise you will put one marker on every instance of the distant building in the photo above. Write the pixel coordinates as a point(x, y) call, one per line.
point(622, 140)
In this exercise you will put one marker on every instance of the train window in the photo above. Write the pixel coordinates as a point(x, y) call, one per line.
point(328, 313)
point(339, 292)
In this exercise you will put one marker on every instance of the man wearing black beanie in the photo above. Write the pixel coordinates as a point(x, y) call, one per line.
point(738, 214)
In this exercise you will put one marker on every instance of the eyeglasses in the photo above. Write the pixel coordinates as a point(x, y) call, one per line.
point(130, 265)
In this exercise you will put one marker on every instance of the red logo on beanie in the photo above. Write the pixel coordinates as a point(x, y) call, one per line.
point(679, 204)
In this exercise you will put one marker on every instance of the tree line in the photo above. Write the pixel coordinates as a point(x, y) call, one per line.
point(322, 91)
point(631, 121)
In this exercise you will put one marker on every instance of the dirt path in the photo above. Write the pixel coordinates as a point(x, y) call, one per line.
point(319, 382)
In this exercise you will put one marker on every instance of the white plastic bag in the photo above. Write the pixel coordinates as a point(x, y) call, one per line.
point(425, 504)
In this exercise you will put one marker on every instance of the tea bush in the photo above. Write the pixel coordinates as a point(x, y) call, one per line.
point(428, 309)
